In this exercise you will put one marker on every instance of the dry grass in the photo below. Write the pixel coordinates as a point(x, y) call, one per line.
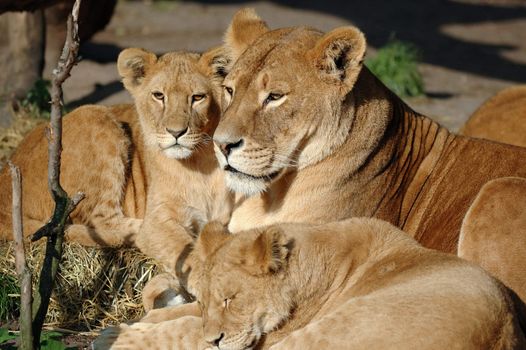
point(23, 122)
point(95, 287)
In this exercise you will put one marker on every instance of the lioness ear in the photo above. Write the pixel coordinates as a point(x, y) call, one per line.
point(339, 56)
point(245, 28)
point(267, 253)
point(213, 235)
point(133, 64)
point(215, 63)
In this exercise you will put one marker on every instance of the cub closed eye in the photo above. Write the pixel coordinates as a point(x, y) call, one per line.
point(273, 96)
point(226, 302)
point(198, 97)
point(158, 95)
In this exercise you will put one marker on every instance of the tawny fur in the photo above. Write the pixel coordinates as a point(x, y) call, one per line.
point(502, 118)
point(312, 136)
point(499, 201)
point(355, 284)
point(98, 159)
point(130, 177)
point(186, 192)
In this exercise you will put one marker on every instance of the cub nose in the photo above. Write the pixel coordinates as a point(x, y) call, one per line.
point(215, 339)
point(227, 147)
point(177, 133)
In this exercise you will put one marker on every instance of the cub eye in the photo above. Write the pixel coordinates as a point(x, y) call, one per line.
point(198, 97)
point(158, 95)
point(229, 90)
point(226, 302)
point(273, 96)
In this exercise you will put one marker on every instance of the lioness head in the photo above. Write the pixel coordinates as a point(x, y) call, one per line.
point(283, 98)
point(240, 285)
point(175, 97)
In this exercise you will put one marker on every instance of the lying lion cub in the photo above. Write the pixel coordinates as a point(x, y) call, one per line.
point(173, 180)
point(308, 134)
point(354, 284)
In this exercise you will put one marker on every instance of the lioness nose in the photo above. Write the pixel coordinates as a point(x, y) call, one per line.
point(226, 148)
point(216, 339)
point(177, 133)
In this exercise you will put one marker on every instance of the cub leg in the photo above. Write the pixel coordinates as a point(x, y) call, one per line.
point(493, 233)
point(164, 238)
point(117, 232)
point(183, 333)
point(161, 291)
point(171, 313)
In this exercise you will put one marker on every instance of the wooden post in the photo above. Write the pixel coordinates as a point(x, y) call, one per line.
point(24, 273)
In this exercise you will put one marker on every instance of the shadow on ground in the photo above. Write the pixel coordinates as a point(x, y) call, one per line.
point(421, 22)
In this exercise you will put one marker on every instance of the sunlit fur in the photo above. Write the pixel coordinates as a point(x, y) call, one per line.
point(189, 190)
point(320, 138)
point(355, 284)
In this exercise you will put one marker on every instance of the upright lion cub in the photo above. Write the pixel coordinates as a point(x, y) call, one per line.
point(176, 100)
point(153, 159)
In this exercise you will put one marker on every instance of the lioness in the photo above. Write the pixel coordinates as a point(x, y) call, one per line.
point(308, 134)
point(501, 118)
point(173, 180)
point(354, 284)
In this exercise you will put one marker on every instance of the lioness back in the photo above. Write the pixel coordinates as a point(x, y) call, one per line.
point(501, 118)
point(95, 161)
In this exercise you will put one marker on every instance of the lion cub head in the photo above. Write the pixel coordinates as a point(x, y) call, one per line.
point(175, 96)
point(240, 285)
point(283, 98)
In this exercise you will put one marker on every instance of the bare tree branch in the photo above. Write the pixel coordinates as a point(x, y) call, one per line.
point(54, 229)
point(24, 273)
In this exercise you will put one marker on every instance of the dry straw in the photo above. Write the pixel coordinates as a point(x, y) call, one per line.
point(95, 287)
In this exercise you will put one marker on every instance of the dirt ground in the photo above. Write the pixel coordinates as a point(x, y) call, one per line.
point(470, 49)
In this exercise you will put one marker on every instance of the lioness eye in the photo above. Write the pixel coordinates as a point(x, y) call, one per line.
point(226, 302)
point(198, 97)
point(158, 95)
point(273, 96)
point(229, 90)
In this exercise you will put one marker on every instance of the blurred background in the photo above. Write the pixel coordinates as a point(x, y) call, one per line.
point(444, 56)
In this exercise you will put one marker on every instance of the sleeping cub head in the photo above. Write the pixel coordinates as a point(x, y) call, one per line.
point(175, 97)
point(240, 285)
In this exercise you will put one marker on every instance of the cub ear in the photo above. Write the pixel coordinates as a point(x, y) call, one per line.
point(133, 65)
point(213, 235)
point(215, 63)
point(268, 253)
point(245, 28)
point(339, 56)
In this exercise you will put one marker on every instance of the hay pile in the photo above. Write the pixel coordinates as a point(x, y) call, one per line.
point(95, 287)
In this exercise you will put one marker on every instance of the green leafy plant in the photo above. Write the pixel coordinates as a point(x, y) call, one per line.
point(48, 341)
point(37, 100)
point(396, 65)
point(9, 300)
point(51, 341)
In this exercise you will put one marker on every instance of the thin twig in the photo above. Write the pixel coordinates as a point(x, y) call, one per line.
point(54, 229)
point(24, 273)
